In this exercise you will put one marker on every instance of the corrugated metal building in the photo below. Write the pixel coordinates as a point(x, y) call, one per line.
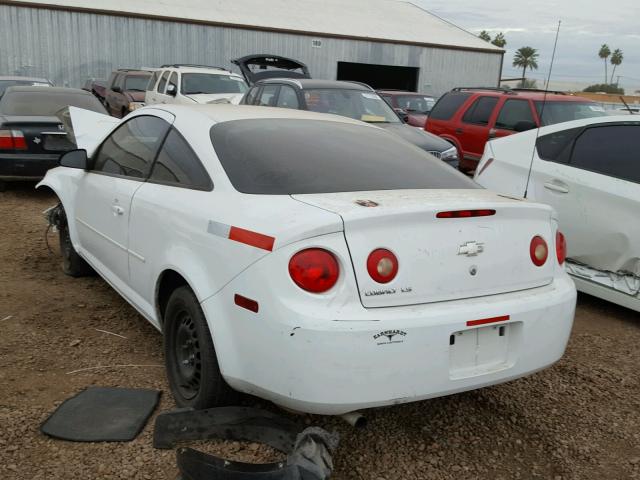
point(387, 43)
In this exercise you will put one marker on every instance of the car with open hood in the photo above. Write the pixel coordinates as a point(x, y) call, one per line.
point(589, 171)
point(312, 260)
point(285, 83)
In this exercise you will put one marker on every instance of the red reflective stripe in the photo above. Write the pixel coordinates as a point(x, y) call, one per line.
point(466, 213)
point(254, 239)
point(245, 302)
point(484, 321)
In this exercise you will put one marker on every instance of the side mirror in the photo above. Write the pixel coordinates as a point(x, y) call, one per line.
point(116, 89)
point(524, 125)
point(171, 90)
point(75, 159)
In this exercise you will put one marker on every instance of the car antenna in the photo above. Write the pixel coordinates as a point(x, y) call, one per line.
point(544, 102)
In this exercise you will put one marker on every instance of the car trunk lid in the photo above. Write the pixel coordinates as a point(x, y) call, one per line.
point(42, 134)
point(261, 67)
point(441, 258)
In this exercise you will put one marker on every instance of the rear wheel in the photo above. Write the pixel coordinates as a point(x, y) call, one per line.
point(190, 358)
point(123, 113)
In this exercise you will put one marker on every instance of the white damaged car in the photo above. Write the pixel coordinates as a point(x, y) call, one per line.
point(589, 172)
point(312, 260)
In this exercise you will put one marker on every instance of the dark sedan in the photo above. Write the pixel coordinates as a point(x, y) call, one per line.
point(32, 137)
point(348, 99)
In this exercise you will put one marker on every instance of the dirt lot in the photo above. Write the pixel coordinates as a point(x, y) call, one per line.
point(578, 419)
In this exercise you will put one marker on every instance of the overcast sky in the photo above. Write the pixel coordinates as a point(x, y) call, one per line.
point(586, 25)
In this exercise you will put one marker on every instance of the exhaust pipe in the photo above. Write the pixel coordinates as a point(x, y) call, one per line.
point(355, 419)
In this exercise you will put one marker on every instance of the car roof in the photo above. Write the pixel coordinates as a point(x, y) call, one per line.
point(528, 94)
point(47, 90)
point(134, 72)
point(221, 112)
point(26, 79)
point(307, 83)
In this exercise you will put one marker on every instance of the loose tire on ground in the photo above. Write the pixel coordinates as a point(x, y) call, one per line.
point(72, 263)
point(190, 358)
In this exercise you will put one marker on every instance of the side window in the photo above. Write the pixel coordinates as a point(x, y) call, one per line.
point(130, 150)
point(288, 98)
point(556, 147)
point(268, 95)
point(480, 111)
point(448, 105)
point(388, 99)
point(173, 80)
point(251, 96)
point(163, 82)
point(513, 112)
point(610, 150)
point(153, 80)
point(178, 165)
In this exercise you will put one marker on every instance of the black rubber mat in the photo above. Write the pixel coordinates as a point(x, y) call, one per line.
point(102, 414)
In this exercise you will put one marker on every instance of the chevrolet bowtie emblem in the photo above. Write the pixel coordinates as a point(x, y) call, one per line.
point(471, 249)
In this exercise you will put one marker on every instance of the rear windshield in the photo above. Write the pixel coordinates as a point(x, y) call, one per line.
point(136, 83)
point(558, 112)
point(45, 103)
point(293, 156)
point(206, 83)
point(4, 84)
point(448, 105)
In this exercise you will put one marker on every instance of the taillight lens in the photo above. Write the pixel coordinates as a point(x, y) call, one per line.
point(538, 251)
point(12, 140)
point(561, 247)
point(382, 265)
point(314, 270)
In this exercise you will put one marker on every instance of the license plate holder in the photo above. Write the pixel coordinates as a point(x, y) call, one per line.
point(479, 351)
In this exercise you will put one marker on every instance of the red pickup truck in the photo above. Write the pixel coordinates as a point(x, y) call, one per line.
point(123, 92)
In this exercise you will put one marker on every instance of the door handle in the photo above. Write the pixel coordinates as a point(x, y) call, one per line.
point(117, 210)
point(557, 187)
point(459, 131)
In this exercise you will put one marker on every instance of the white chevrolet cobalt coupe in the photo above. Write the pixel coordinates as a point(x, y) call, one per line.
point(312, 260)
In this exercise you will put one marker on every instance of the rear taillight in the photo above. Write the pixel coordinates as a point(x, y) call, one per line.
point(382, 265)
point(561, 247)
point(12, 140)
point(538, 251)
point(466, 213)
point(314, 270)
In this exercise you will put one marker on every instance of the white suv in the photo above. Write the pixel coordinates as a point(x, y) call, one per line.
point(189, 84)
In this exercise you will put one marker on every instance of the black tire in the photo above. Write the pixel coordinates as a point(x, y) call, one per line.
point(123, 113)
point(72, 263)
point(190, 358)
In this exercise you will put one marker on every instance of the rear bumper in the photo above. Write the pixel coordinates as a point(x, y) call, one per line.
point(341, 364)
point(26, 166)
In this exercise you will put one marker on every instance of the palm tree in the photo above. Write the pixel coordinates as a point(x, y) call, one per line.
point(499, 40)
point(484, 35)
point(616, 59)
point(526, 57)
point(604, 53)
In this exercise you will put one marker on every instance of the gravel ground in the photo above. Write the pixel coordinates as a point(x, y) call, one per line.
point(577, 420)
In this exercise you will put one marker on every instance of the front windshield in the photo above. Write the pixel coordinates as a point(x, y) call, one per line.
point(365, 106)
point(137, 83)
point(207, 83)
point(558, 112)
point(414, 103)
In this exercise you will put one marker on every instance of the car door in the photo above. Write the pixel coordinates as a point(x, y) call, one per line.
point(513, 112)
point(474, 126)
point(177, 182)
point(594, 185)
point(160, 95)
point(118, 168)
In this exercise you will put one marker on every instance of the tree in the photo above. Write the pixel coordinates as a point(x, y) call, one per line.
point(499, 40)
point(616, 60)
point(606, 88)
point(604, 53)
point(526, 57)
point(484, 35)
